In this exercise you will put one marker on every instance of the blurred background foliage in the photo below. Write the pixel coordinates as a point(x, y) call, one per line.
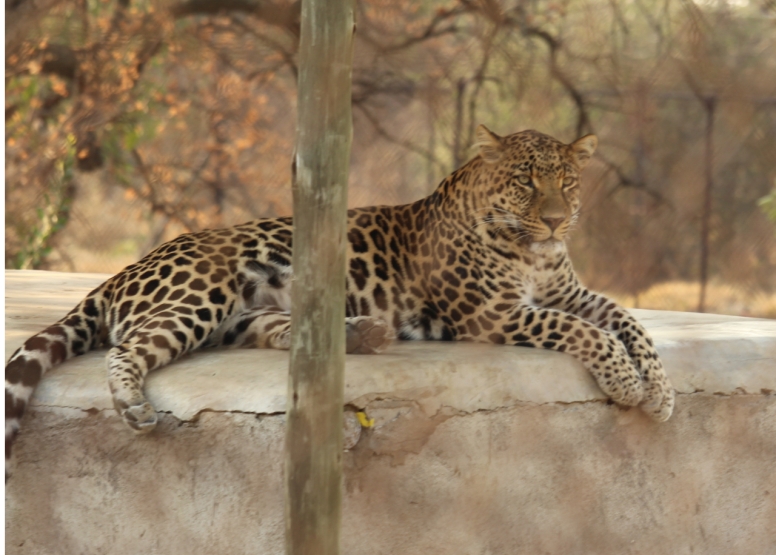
point(131, 121)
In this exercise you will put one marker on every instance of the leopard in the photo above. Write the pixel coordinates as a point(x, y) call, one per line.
point(482, 258)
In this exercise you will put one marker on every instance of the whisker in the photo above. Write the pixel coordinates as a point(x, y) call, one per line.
point(504, 222)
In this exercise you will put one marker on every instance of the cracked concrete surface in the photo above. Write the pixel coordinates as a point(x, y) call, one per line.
point(475, 449)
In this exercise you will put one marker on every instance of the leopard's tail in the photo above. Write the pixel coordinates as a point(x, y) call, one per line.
point(77, 333)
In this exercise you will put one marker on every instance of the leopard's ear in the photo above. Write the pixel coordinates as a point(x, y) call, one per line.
point(491, 146)
point(582, 149)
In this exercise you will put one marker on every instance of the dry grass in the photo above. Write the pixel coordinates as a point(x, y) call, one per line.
point(720, 299)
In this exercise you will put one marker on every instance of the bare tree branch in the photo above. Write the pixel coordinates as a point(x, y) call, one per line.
point(155, 204)
point(434, 29)
point(626, 181)
point(405, 144)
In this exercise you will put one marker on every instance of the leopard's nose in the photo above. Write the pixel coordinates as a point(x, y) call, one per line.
point(553, 223)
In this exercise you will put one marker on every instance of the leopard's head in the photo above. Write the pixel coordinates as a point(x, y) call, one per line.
point(530, 183)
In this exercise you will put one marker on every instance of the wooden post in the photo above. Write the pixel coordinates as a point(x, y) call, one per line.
point(316, 377)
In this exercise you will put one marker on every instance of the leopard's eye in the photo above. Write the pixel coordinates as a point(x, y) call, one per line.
point(524, 179)
point(568, 181)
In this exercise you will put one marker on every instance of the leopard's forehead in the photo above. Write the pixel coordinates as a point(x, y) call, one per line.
point(535, 152)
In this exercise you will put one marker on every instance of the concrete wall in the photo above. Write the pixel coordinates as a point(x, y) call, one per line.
point(475, 450)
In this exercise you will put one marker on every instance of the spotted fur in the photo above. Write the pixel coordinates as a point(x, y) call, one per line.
point(480, 259)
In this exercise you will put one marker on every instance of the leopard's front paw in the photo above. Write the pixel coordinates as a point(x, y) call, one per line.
point(618, 378)
point(626, 391)
point(659, 396)
point(366, 335)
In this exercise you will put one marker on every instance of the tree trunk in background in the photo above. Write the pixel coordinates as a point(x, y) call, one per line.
point(710, 105)
point(316, 379)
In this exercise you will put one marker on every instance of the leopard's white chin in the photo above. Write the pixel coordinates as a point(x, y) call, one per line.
point(547, 246)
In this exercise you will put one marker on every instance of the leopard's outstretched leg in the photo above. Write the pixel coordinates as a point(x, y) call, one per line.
point(602, 354)
point(156, 343)
point(658, 400)
point(127, 369)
